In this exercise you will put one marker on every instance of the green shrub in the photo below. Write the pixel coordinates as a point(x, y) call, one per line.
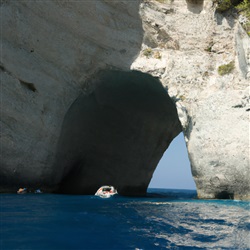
point(157, 55)
point(223, 5)
point(243, 7)
point(226, 68)
point(244, 10)
point(147, 52)
point(182, 97)
point(209, 47)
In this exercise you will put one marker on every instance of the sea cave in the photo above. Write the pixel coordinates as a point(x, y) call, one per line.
point(115, 134)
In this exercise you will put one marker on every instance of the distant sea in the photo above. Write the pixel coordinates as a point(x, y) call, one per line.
point(164, 219)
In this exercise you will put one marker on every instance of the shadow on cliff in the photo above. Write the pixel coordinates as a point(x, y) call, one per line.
point(75, 39)
point(195, 6)
point(115, 135)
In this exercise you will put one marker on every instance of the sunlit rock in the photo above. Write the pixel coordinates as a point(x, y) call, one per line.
point(213, 108)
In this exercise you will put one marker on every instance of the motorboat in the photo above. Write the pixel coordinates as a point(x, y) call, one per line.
point(106, 192)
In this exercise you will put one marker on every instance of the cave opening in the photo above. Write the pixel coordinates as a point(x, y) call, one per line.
point(173, 170)
point(115, 134)
point(224, 195)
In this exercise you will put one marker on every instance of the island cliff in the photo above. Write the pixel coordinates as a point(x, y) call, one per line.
point(74, 116)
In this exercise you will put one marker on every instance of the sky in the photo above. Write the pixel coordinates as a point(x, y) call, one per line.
point(173, 170)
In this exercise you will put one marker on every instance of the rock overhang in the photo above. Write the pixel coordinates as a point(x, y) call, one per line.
point(116, 134)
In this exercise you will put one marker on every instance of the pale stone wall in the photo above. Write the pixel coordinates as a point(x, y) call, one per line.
point(187, 43)
point(48, 50)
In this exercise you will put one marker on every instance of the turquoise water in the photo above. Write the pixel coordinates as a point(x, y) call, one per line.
point(165, 219)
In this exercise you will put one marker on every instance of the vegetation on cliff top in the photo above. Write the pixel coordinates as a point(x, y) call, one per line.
point(244, 10)
point(242, 7)
point(226, 68)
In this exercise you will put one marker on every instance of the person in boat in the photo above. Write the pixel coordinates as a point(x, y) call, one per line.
point(22, 191)
point(106, 191)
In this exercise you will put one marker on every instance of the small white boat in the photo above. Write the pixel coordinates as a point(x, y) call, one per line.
point(22, 191)
point(106, 191)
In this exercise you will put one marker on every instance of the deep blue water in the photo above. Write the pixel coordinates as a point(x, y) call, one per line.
point(165, 219)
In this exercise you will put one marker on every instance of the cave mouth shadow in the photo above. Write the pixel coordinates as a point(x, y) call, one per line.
point(224, 195)
point(195, 6)
point(116, 134)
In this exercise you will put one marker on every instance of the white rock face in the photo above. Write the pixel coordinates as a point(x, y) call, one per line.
point(49, 51)
point(190, 42)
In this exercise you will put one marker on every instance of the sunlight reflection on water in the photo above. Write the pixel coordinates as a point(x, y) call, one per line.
point(197, 224)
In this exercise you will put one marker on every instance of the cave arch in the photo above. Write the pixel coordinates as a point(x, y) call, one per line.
point(115, 134)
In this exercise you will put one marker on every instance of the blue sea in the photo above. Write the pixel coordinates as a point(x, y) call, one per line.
point(164, 219)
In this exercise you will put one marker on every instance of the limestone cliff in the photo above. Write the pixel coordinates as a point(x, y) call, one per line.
point(188, 46)
point(51, 51)
point(50, 58)
point(47, 53)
